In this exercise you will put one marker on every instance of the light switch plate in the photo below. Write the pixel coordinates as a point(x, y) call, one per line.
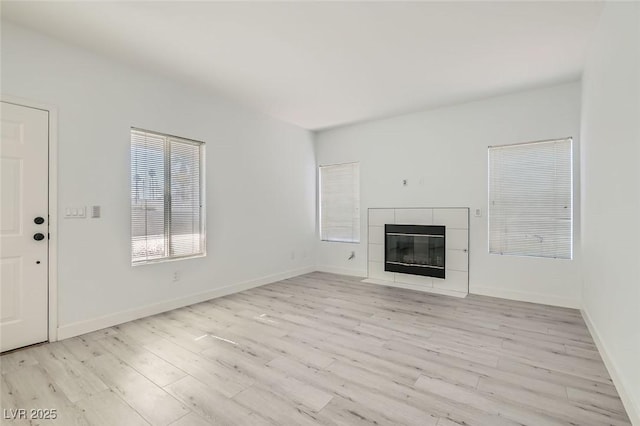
point(75, 212)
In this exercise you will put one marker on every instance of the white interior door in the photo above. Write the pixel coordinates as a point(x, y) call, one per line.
point(24, 226)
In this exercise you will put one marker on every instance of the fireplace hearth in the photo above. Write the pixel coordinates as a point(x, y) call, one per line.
point(415, 249)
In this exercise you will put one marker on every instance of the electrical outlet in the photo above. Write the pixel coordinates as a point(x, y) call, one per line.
point(176, 276)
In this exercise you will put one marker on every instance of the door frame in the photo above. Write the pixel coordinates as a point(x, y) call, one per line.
point(52, 273)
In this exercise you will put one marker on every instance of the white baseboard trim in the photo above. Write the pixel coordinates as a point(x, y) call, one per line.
point(632, 407)
point(415, 287)
point(342, 271)
point(524, 296)
point(109, 320)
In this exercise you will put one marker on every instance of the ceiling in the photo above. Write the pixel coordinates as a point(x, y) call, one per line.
point(324, 64)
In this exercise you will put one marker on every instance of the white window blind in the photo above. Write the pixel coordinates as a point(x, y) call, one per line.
point(340, 202)
point(167, 215)
point(530, 199)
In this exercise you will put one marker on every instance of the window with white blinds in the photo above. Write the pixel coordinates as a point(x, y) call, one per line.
point(167, 213)
point(340, 202)
point(530, 199)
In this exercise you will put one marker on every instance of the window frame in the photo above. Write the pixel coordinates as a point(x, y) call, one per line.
point(320, 167)
point(571, 142)
point(166, 152)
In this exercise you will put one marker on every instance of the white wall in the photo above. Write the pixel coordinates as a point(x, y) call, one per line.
point(443, 155)
point(611, 196)
point(260, 179)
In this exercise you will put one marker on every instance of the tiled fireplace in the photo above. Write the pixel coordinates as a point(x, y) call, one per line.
point(423, 249)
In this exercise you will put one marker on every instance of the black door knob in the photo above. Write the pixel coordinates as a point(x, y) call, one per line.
point(38, 220)
point(38, 236)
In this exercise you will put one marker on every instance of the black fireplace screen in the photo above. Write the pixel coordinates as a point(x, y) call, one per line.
point(415, 249)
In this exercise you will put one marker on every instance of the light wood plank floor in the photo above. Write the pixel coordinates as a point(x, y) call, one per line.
point(324, 349)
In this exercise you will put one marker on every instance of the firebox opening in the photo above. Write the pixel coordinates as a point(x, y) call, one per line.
point(415, 249)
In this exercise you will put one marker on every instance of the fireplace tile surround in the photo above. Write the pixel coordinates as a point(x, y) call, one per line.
point(456, 221)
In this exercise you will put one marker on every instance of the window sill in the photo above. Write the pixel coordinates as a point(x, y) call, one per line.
point(529, 256)
point(168, 259)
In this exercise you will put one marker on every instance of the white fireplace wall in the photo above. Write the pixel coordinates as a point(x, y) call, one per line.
point(438, 157)
point(456, 221)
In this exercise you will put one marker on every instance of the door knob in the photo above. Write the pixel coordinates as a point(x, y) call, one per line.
point(38, 220)
point(38, 236)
